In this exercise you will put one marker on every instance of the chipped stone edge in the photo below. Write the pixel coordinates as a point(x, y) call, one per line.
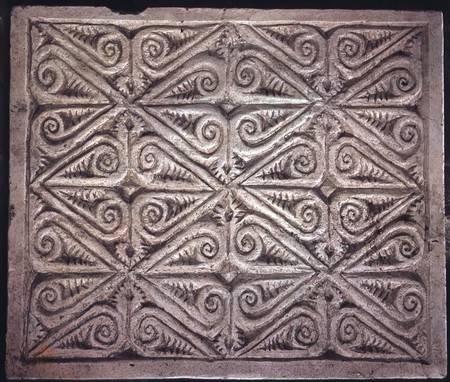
point(16, 367)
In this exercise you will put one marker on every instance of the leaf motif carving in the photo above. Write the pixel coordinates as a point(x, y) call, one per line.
point(373, 344)
point(174, 346)
point(86, 199)
point(177, 204)
point(184, 292)
point(87, 34)
point(171, 171)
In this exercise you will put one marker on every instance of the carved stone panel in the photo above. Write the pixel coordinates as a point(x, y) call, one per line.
point(204, 190)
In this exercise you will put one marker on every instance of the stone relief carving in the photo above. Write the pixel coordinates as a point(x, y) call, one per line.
point(226, 190)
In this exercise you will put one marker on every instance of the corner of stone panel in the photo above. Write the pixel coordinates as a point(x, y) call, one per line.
point(19, 11)
point(13, 366)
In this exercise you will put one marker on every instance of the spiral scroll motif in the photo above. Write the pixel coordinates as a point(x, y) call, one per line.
point(211, 302)
point(206, 81)
point(49, 243)
point(101, 161)
point(256, 129)
point(351, 48)
point(149, 158)
point(105, 44)
point(50, 76)
point(298, 162)
point(52, 127)
point(110, 48)
point(107, 161)
point(349, 330)
point(148, 332)
point(50, 298)
point(407, 246)
point(154, 47)
point(158, 46)
point(308, 214)
point(347, 160)
point(400, 131)
point(153, 212)
point(402, 81)
point(392, 87)
point(354, 215)
point(306, 331)
point(250, 298)
point(56, 296)
point(159, 213)
point(307, 48)
point(407, 134)
point(303, 160)
point(398, 248)
point(248, 74)
point(358, 338)
point(109, 214)
point(209, 134)
point(208, 245)
point(105, 332)
point(202, 81)
point(104, 161)
point(249, 242)
point(410, 302)
point(354, 166)
point(257, 299)
point(251, 131)
point(356, 49)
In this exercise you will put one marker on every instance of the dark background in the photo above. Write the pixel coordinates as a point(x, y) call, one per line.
point(136, 6)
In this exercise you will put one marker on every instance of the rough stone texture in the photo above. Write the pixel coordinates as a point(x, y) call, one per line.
point(224, 193)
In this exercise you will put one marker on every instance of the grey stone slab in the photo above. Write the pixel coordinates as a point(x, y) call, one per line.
point(226, 193)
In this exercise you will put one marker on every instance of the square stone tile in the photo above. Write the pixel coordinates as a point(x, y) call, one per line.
point(235, 193)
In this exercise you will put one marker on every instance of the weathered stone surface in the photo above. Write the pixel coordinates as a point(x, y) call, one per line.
point(209, 193)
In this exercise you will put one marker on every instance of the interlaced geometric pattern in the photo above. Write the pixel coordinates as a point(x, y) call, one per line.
point(228, 190)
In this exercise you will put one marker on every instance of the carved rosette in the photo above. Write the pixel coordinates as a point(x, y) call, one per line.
point(227, 190)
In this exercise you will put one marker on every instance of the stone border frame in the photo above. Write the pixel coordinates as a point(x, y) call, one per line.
point(19, 120)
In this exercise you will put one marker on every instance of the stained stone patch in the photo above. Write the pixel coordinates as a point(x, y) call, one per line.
point(208, 194)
